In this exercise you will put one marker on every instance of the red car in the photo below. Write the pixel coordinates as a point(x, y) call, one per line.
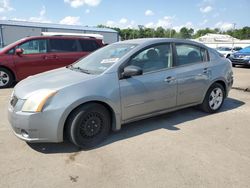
point(34, 55)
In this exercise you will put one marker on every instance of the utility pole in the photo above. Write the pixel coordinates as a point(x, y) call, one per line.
point(234, 24)
point(170, 32)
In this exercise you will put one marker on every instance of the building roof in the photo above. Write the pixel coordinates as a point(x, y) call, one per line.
point(210, 37)
point(55, 26)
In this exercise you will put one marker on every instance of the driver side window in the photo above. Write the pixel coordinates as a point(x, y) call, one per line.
point(34, 46)
point(154, 58)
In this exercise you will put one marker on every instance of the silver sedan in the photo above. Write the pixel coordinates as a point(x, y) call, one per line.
point(117, 84)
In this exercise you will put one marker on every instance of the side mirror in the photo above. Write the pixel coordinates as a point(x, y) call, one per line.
point(19, 51)
point(131, 70)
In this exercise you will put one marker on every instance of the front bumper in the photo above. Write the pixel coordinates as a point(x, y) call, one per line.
point(34, 127)
point(238, 61)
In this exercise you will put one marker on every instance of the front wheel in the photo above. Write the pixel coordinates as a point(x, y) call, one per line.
point(88, 125)
point(6, 78)
point(214, 98)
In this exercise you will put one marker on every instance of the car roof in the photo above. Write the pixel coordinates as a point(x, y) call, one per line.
point(8, 47)
point(58, 37)
point(148, 41)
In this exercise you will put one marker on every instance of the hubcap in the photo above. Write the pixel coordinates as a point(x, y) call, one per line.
point(4, 78)
point(215, 98)
point(91, 125)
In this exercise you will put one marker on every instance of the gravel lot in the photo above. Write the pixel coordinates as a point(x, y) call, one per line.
point(187, 148)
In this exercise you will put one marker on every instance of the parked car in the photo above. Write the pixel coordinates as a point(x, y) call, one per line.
point(237, 48)
point(34, 55)
point(119, 83)
point(241, 57)
point(227, 51)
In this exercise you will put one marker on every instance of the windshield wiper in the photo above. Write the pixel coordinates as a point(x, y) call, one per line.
point(78, 68)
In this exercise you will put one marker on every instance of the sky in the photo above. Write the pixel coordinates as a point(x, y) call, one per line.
point(173, 14)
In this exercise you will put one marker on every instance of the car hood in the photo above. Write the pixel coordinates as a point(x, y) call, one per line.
point(52, 80)
point(242, 54)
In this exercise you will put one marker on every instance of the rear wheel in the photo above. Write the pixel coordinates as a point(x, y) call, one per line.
point(214, 98)
point(6, 78)
point(88, 125)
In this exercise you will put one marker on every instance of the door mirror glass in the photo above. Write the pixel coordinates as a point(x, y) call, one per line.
point(131, 70)
point(19, 51)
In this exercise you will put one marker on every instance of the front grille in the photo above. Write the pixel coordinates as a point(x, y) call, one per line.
point(13, 101)
point(238, 60)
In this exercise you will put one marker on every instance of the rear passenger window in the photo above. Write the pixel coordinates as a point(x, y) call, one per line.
point(63, 45)
point(89, 45)
point(187, 54)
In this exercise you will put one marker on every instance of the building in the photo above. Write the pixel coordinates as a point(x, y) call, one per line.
point(217, 40)
point(11, 31)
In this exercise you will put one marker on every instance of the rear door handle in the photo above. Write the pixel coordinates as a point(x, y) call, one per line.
point(55, 56)
point(50, 57)
point(205, 70)
point(169, 79)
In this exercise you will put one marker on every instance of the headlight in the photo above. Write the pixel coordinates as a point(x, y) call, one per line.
point(247, 57)
point(37, 100)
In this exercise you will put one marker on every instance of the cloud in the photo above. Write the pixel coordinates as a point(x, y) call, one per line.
point(122, 23)
point(224, 26)
point(187, 25)
point(79, 3)
point(3, 18)
point(5, 6)
point(165, 22)
point(87, 11)
point(41, 18)
point(216, 15)
point(206, 9)
point(71, 20)
point(203, 22)
point(43, 11)
point(149, 13)
point(110, 23)
point(150, 25)
point(19, 19)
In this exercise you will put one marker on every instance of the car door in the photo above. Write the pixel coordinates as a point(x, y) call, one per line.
point(63, 51)
point(192, 73)
point(155, 89)
point(32, 60)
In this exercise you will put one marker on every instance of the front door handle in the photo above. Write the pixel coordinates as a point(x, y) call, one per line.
point(169, 79)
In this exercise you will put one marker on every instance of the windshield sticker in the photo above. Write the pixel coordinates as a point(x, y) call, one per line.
point(102, 68)
point(110, 60)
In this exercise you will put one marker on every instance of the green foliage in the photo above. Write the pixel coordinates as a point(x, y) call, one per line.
point(186, 33)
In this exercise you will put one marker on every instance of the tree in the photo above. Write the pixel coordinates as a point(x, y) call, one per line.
point(186, 33)
point(160, 32)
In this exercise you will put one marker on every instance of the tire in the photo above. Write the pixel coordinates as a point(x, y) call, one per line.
point(214, 98)
point(233, 65)
point(6, 78)
point(88, 125)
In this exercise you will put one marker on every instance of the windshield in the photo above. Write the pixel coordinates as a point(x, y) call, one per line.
point(223, 49)
point(100, 60)
point(245, 50)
